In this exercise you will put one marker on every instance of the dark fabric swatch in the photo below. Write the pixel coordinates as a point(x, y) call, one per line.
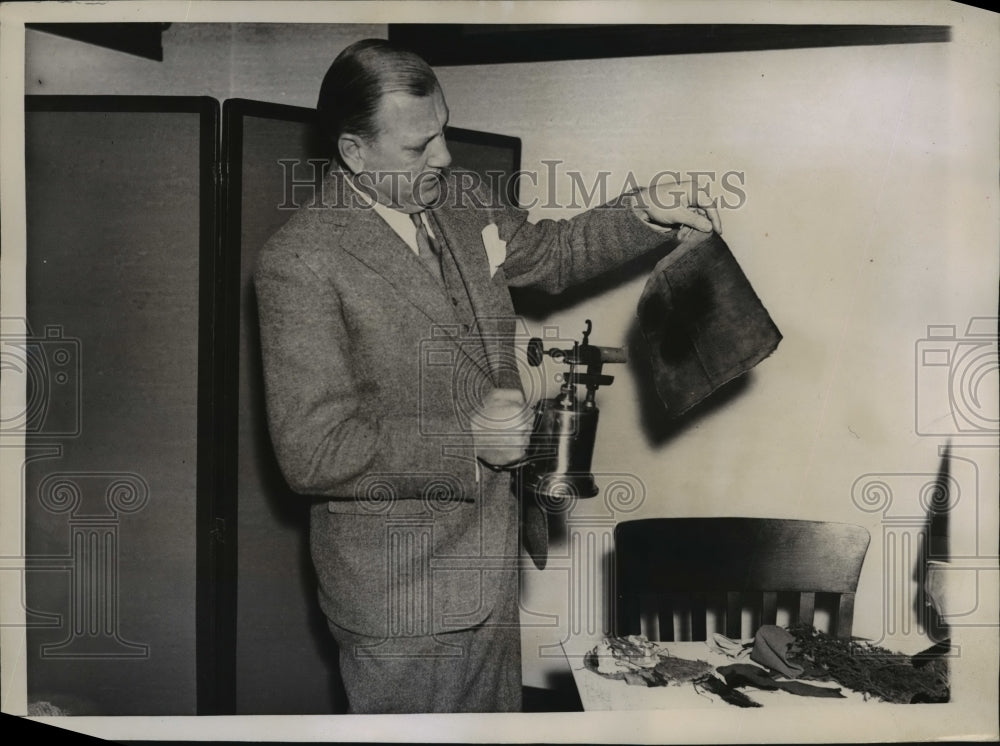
point(746, 674)
point(702, 322)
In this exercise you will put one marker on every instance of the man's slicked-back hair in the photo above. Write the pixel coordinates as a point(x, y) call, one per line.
point(357, 80)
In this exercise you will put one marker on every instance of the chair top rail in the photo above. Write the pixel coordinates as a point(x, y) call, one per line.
point(738, 554)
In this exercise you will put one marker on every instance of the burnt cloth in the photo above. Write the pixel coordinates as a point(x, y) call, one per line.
point(702, 322)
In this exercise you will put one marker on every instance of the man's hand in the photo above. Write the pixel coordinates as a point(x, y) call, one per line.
point(502, 428)
point(680, 203)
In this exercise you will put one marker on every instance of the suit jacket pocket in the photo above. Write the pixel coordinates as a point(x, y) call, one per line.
point(400, 574)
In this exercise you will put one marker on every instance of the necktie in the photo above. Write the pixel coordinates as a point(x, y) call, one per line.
point(430, 252)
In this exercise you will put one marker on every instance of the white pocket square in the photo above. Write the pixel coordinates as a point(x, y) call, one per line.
point(496, 249)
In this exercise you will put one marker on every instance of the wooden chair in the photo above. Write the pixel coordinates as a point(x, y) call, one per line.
point(719, 566)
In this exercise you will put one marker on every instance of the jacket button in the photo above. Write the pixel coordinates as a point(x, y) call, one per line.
point(454, 301)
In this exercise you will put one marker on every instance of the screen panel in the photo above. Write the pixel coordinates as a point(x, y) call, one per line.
point(120, 225)
point(496, 157)
point(286, 659)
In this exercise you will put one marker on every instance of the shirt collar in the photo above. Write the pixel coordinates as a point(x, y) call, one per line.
point(398, 220)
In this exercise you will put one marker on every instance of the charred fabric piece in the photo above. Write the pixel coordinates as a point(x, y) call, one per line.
point(638, 662)
point(702, 322)
point(641, 663)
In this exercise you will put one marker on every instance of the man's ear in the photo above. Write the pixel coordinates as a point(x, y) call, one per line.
point(352, 151)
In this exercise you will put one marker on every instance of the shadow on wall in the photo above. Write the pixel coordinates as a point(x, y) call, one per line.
point(658, 428)
point(936, 548)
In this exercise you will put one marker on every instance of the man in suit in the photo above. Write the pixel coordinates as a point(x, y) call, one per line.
point(387, 336)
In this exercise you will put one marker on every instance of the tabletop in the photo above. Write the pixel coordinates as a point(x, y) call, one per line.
point(600, 693)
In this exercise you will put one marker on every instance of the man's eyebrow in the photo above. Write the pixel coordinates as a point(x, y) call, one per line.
point(421, 143)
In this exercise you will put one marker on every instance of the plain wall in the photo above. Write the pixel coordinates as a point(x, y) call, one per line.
point(866, 220)
point(269, 62)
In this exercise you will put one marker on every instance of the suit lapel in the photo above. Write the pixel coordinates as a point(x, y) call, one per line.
point(367, 237)
point(463, 234)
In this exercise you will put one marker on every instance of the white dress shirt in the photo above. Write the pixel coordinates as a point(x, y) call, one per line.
point(399, 221)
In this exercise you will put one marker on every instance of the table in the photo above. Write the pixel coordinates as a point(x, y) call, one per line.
point(600, 693)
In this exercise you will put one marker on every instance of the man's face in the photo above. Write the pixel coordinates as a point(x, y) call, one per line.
point(404, 160)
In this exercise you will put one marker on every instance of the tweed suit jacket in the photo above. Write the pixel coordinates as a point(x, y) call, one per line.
point(369, 377)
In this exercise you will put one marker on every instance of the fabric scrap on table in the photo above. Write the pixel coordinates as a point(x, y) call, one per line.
point(746, 674)
point(872, 670)
point(726, 693)
point(729, 647)
point(771, 648)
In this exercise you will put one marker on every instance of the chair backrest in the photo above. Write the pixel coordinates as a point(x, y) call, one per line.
point(703, 567)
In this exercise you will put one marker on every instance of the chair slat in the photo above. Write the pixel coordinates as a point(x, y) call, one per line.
point(807, 607)
point(769, 608)
point(845, 616)
point(649, 616)
point(734, 614)
point(665, 614)
point(699, 612)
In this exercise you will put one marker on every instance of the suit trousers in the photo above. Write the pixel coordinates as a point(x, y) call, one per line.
point(470, 670)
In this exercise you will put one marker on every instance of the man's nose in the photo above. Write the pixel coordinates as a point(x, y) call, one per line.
point(439, 156)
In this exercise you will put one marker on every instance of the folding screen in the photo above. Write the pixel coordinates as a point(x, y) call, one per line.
point(121, 237)
point(168, 571)
point(285, 658)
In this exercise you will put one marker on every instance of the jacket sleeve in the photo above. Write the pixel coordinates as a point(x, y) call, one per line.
point(553, 255)
point(327, 441)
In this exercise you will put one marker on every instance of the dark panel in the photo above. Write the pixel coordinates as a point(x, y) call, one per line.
point(141, 39)
point(495, 157)
point(470, 44)
point(119, 226)
point(285, 658)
